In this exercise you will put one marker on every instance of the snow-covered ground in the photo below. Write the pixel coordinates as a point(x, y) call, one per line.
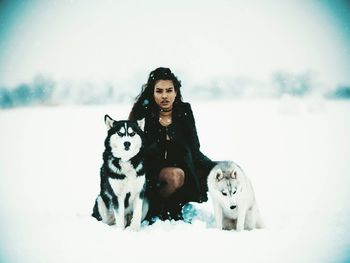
point(296, 152)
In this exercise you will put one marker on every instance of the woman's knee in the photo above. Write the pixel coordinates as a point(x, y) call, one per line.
point(173, 176)
point(178, 177)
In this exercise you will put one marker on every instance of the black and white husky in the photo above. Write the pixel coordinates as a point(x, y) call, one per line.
point(233, 198)
point(121, 200)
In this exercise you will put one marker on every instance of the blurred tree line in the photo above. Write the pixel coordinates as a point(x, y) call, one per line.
point(37, 92)
point(44, 91)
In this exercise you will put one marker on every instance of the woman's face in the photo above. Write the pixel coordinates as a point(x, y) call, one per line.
point(164, 94)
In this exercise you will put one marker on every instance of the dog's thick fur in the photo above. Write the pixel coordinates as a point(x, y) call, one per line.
point(233, 198)
point(121, 200)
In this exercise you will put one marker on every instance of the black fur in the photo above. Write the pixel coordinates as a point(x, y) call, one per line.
point(142, 193)
point(96, 213)
point(126, 201)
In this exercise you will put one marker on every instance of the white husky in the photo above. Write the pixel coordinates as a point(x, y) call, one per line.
point(233, 198)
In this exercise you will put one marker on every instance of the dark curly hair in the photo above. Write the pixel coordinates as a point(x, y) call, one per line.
point(145, 100)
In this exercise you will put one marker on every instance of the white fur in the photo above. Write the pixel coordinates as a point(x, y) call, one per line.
point(229, 187)
point(109, 122)
point(138, 168)
point(118, 149)
point(141, 124)
point(122, 130)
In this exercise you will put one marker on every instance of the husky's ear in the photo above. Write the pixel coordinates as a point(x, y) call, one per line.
point(141, 124)
point(219, 175)
point(234, 174)
point(109, 122)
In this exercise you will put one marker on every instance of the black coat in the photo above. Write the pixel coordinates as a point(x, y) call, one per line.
point(186, 154)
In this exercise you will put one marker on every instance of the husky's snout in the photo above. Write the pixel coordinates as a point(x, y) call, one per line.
point(127, 146)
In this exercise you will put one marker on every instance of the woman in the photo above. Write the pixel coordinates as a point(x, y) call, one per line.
point(176, 169)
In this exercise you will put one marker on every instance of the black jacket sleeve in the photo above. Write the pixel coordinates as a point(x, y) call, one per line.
point(198, 157)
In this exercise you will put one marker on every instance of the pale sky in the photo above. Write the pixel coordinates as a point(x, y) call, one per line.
point(200, 40)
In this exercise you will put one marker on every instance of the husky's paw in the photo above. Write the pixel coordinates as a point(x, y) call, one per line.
point(239, 228)
point(135, 227)
point(120, 225)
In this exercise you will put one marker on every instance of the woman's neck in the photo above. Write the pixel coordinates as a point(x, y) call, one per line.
point(165, 113)
point(165, 117)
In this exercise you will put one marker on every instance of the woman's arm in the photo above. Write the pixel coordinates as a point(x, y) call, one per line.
point(193, 140)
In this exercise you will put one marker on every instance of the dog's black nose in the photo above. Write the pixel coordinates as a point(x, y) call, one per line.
point(232, 207)
point(127, 145)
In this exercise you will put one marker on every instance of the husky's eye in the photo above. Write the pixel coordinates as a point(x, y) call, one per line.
point(234, 192)
point(223, 193)
point(132, 134)
point(120, 134)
